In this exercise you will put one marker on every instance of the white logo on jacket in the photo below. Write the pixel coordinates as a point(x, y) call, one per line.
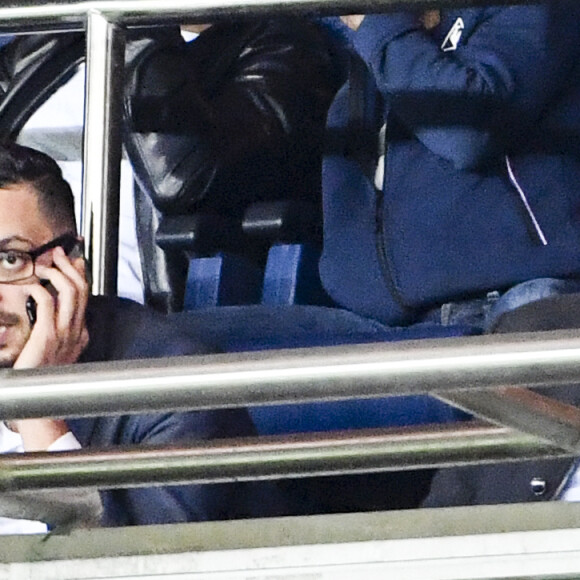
point(453, 36)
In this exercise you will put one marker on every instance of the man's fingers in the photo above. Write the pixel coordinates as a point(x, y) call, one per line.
point(73, 269)
point(72, 291)
point(45, 309)
point(65, 300)
point(60, 334)
point(42, 343)
point(70, 302)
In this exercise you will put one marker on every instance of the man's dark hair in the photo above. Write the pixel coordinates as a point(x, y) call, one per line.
point(21, 165)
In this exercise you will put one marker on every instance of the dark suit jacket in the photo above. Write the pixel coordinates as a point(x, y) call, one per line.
point(119, 330)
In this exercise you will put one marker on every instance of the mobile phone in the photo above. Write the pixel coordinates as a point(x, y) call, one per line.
point(31, 310)
point(31, 302)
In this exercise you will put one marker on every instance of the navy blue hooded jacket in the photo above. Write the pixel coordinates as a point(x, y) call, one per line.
point(482, 172)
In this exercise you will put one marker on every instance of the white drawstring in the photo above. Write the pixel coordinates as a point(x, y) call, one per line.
point(524, 199)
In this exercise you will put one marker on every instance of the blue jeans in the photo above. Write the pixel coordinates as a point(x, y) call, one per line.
point(484, 312)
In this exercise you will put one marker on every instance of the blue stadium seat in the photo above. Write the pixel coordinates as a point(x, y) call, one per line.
point(291, 276)
point(222, 280)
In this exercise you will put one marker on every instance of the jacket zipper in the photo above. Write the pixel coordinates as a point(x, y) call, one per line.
point(380, 243)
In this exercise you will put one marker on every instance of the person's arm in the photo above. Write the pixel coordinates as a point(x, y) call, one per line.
point(58, 337)
point(180, 503)
point(60, 509)
point(464, 104)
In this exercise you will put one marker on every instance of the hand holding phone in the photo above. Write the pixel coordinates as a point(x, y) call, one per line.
point(56, 310)
point(31, 310)
point(31, 302)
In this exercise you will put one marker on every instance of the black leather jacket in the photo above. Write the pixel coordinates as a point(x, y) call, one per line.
point(236, 115)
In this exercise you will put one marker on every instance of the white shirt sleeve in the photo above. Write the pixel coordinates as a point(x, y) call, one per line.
point(62, 509)
point(66, 442)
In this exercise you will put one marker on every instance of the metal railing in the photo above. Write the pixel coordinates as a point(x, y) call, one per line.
point(437, 367)
point(446, 368)
point(273, 458)
point(31, 15)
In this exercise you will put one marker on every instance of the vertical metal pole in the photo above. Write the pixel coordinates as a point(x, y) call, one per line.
point(102, 149)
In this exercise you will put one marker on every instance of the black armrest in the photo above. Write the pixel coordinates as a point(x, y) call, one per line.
point(200, 234)
point(286, 221)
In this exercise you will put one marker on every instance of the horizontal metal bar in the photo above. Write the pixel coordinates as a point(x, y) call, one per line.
point(272, 458)
point(32, 15)
point(543, 417)
point(292, 376)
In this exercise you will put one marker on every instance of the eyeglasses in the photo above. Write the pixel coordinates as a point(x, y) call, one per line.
point(17, 265)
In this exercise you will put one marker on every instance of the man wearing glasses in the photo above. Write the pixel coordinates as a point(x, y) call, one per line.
point(61, 334)
point(47, 318)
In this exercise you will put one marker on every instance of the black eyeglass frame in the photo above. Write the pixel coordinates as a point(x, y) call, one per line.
point(69, 242)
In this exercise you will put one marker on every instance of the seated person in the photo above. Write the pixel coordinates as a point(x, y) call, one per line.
point(480, 195)
point(478, 161)
point(47, 318)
